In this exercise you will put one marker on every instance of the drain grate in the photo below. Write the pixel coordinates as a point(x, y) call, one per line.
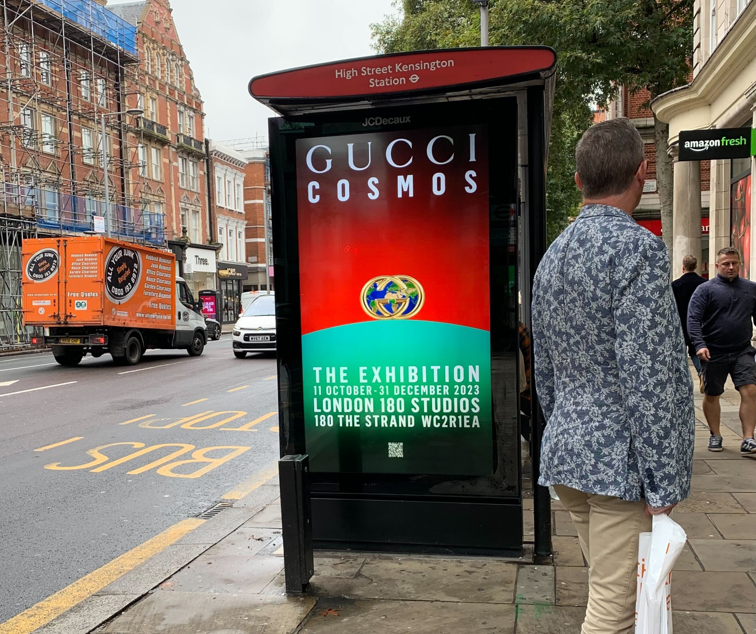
point(214, 510)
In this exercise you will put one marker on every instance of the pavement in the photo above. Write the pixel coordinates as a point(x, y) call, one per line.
point(233, 580)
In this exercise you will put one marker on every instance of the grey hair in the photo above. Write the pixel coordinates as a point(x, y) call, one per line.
point(608, 156)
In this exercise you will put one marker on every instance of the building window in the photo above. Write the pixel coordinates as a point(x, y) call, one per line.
point(713, 27)
point(86, 86)
point(184, 221)
point(167, 71)
point(153, 109)
point(148, 61)
point(194, 176)
point(229, 193)
point(222, 240)
point(101, 96)
point(183, 171)
point(45, 68)
point(87, 145)
point(178, 75)
point(104, 149)
point(231, 246)
point(142, 160)
point(48, 134)
point(219, 190)
point(240, 248)
point(157, 164)
point(239, 206)
point(140, 101)
point(157, 214)
point(196, 226)
point(741, 6)
point(51, 204)
point(158, 65)
point(28, 134)
point(90, 204)
point(180, 121)
point(190, 124)
point(24, 57)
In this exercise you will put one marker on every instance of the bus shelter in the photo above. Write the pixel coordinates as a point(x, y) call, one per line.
point(408, 204)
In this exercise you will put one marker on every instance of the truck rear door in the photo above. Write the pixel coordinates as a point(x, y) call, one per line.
point(83, 284)
point(41, 280)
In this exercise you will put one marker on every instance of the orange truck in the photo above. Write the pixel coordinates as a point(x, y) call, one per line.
point(96, 295)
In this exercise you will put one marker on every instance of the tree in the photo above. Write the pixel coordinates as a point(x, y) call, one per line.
point(601, 45)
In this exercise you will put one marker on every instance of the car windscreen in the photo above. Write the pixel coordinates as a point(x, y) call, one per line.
point(262, 306)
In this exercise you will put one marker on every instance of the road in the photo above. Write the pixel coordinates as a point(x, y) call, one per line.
point(193, 429)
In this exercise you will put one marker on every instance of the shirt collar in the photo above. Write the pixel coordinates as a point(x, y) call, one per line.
point(724, 280)
point(591, 211)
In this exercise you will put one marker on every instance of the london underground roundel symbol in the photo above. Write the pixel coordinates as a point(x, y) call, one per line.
point(392, 297)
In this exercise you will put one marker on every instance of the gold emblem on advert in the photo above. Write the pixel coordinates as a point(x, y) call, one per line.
point(392, 297)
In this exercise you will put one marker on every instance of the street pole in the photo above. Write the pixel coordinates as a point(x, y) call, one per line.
point(267, 262)
point(104, 149)
point(484, 23)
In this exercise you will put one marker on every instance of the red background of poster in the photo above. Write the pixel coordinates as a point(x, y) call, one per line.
point(440, 240)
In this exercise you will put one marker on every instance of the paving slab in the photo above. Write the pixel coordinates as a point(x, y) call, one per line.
point(88, 614)
point(535, 619)
point(730, 451)
point(729, 555)
point(346, 567)
point(193, 613)
point(734, 526)
point(342, 616)
point(244, 542)
point(721, 483)
point(563, 524)
point(567, 551)
point(236, 575)
point(405, 579)
point(269, 517)
point(702, 623)
point(535, 585)
point(687, 559)
point(743, 468)
point(528, 524)
point(747, 501)
point(713, 592)
point(710, 502)
point(747, 622)
point(701, 467)
point(699, 525)
point(571, 585)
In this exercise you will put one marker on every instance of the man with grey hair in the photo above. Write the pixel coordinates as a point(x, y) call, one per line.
point(611, 373)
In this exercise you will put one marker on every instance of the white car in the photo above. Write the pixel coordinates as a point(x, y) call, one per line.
point(255, 330)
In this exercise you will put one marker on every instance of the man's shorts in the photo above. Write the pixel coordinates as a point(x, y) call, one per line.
point(741, 367)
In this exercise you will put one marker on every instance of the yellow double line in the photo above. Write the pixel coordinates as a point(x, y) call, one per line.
point(53, 606)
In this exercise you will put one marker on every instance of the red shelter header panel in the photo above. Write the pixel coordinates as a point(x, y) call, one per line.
point(403, 73)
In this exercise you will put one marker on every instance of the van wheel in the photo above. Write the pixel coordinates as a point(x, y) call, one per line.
point(132, 351)
point(198, 345)
point(239, 354)
point(69, 357)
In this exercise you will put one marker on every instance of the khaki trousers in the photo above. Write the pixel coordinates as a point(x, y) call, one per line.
point(608, 529)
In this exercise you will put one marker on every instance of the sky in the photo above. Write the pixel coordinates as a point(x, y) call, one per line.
point(228, 42)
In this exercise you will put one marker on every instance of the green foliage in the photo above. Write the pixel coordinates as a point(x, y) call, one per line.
point(600, 45)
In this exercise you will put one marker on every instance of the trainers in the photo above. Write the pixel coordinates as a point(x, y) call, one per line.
point(715, 443)
point(748, 446)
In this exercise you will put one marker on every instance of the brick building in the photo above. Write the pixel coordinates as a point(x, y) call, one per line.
point(227, 215)
point(635, 107)
point(66, 65)
point(171, 152)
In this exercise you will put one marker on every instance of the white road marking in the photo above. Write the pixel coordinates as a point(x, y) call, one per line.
point(7, 383)
point(152, 367)
point(35, 389)
point(23, 367)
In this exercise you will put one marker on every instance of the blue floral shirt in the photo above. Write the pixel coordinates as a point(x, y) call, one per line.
point(611, 367)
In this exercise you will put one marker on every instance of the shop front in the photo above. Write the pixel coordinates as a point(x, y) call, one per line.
point(231, 276)
point(199, 269)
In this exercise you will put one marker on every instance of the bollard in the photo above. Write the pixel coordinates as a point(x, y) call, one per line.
point(296, 518)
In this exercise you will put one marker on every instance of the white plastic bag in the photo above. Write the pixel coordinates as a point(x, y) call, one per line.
point(657, 553)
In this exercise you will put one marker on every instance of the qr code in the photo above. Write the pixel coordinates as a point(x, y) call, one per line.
point(396, 450)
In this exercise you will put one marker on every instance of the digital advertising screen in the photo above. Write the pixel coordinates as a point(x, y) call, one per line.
point(394, 267)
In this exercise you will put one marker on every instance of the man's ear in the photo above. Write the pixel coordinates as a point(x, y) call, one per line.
point(578, 182)
point(642, 169)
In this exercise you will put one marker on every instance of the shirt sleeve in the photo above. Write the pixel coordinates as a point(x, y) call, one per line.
point(543, 366)
point(656, 385)
point(696, 310)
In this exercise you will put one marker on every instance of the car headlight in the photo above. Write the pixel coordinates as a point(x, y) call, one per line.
point(237, 333)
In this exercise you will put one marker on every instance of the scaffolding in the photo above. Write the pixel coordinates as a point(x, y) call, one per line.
point(65, 64)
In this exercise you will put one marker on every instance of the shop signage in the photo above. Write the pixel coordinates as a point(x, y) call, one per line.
point(723, 143)
point(402, 73)
point(228, 271)
point(199, 260)
point(395, 344)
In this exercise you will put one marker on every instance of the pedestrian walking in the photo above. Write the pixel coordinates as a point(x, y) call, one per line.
point(683, 288)
point(720, 322)
point(611, 373)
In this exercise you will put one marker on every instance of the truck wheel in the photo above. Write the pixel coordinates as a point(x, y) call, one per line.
point(69, 357)
point(132, 351)
point(198, 345)
point(240, 354)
